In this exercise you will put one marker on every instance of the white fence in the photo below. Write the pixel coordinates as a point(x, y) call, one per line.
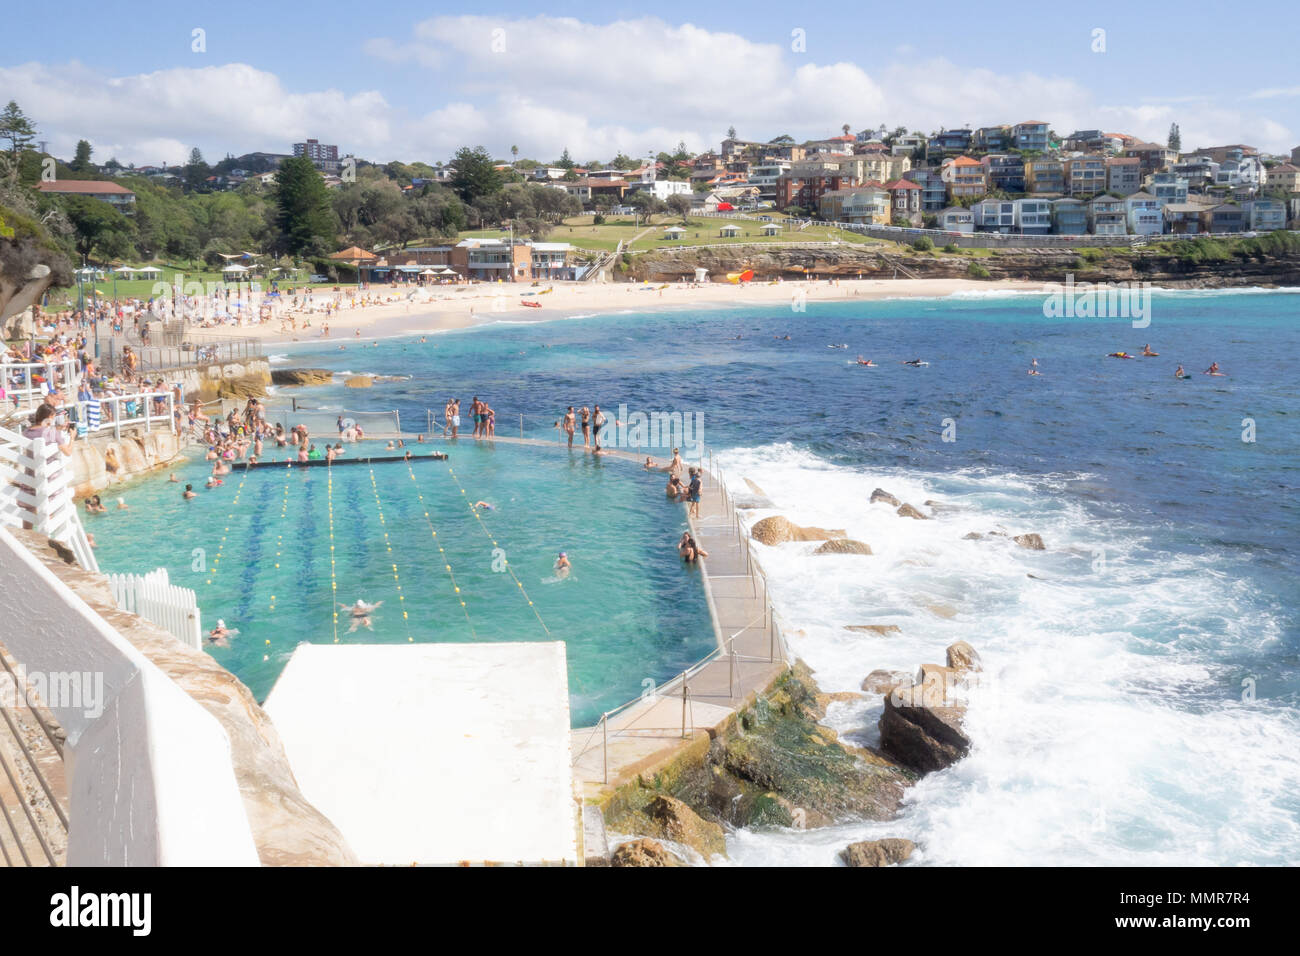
point(150, 780)
point(25, 383)
point(101, 414)
point(36, 493)
point(152, 596)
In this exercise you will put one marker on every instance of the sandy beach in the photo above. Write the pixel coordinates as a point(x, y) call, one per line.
point(441, 308)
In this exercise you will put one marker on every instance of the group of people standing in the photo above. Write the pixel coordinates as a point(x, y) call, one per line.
point(591, 420)
point(485, 418)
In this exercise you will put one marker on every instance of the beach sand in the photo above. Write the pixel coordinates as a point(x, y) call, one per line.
point(438, 309)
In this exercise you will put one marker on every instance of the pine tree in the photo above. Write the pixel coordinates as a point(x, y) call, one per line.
point(302, 206)
point(1175, 141)
point(81, 162)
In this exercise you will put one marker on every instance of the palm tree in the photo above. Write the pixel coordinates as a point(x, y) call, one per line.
point(514, 152)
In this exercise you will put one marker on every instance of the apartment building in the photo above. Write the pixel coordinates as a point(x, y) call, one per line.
point(1107, 216)
point(1143, 215)
point(324, 156)
point(1123, 175)
point(1169, 188)
point(934, 191)
point(957, 219)
point(905, 200)
point(1265, 215)
point(1069, 217)
point(964, 177)
point(1085, 176)
point(1286, 177)
point(1033, 217)
point(1030, 135)
point(1045, 177)
point(994, 215)
point(867, 204)
point(992, 139)
point(949, 142)
point(1005, 172)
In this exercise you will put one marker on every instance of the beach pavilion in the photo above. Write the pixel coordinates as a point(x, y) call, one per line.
point(674, 232)
point(729, 231)
point(771, 228)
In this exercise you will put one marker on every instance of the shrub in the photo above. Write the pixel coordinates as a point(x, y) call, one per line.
point(977, 271)
point(924, 244)
point(950, 247)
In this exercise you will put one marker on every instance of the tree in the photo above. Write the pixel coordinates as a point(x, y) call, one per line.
point(681, 204)
point(785, 139)
point(731, 132)
point(565, 161)
point(845, 127)
point(81, 161)
point(1175, 141)
point(97, 227)
point(514, 152)
point(476, 174)
point(19, 131)
point(196, 172)
point(303, 214)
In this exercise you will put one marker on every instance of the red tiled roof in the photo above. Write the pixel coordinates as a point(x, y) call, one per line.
point(965, 161)
point(83, 186)
point(902, 184)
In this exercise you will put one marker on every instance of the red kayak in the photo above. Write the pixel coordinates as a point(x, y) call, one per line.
point(532, 305)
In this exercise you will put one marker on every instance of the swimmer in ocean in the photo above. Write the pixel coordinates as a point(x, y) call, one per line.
point(866, 362)
point(562, 566)
point(484, 505)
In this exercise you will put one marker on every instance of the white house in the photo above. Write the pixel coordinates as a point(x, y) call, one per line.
point(957, 219)
point(994, 215)
point(1033, 216)
point(1142, 210)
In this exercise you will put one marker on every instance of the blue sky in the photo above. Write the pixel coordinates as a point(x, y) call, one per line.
point(415, 82)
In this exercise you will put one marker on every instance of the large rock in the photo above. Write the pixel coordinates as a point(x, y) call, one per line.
point(778, 529)
point(963, 657)
point(921, 728)
point(843, 546)
point(1034, 542)
point(302, 376)
point(676, 821)
point(907, 511)
point(880, 494)
point(881, 629)
point(883, 681)
point(359, 381)
point(241, 387)
point(643, 853)
point(877, 852)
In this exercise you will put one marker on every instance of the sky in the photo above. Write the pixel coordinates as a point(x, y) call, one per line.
point(411, 81)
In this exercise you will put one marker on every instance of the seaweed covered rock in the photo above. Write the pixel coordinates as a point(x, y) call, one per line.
point(769, 764)
point(877, 852)
point(677, 822)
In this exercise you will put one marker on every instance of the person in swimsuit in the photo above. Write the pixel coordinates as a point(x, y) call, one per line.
point(690, 549)
point(1146, 350)
point(1179, 373)
point(568, 425)
point(1213, 369)
point(562, 566)
point(597, 423)
point(189, 493)
point(693, 493)
point(586, 426)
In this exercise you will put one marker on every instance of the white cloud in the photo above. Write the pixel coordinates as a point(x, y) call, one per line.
point(547, 83)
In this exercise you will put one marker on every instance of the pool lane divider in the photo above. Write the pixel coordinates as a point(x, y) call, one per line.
point(505, 557)
point(383, 526)
point(334, 584)
point(234, 504)
point(445, 564)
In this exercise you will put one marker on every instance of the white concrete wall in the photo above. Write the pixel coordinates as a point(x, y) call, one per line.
point(150, 780)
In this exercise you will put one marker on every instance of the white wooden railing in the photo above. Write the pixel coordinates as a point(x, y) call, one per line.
point(115, 411)
point(153, 597)
point(36, 493)
point(18, 380)
point(149, 773)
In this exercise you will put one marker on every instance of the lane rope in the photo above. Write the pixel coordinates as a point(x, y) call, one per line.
point(383, 525)
point(424, 507)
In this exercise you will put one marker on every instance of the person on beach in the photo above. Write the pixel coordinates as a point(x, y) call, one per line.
point(568, 425)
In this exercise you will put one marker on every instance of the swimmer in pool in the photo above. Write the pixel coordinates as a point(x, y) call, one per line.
point(360, 614)
point(189, 493)
point(220, 635)
point(484, 505)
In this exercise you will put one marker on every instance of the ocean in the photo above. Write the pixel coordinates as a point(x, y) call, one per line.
point(1144, 703)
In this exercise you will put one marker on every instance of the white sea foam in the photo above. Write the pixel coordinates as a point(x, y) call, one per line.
point(1111, 730)
point(278, 359)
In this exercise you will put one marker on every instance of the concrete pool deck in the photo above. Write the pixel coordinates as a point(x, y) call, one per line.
point(435, 753)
